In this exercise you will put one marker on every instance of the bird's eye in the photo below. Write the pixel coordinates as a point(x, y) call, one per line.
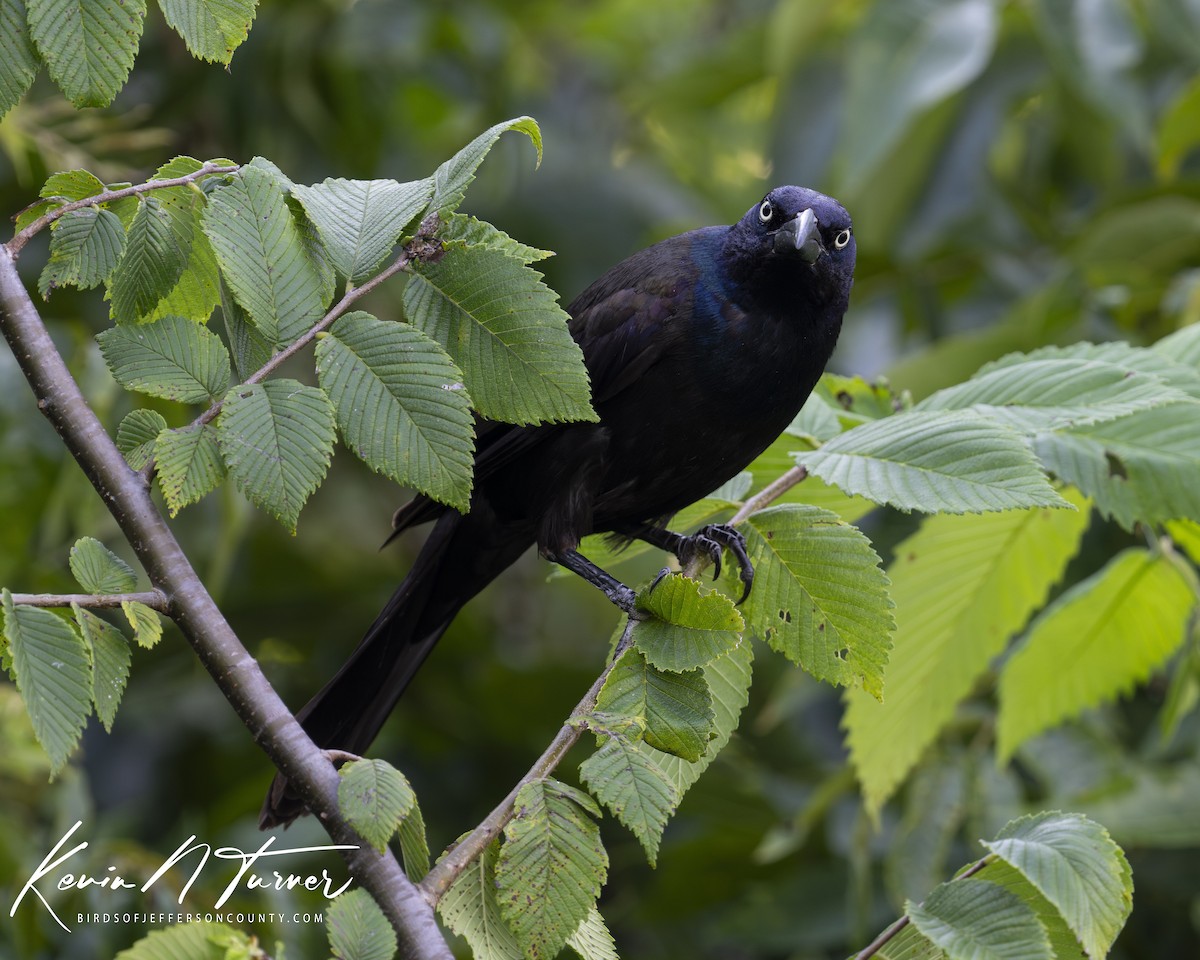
point(842, 239)
point(766, 211)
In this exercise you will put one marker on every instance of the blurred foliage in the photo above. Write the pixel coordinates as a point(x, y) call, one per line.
point(1020, 173)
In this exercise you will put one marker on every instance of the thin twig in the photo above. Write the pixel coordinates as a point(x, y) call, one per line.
point(17, 243)
point(894, 928)
point(447, 870)
point(94, 601)
point(770, 493)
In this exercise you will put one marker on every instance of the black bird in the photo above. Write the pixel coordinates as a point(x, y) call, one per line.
point(701, 349)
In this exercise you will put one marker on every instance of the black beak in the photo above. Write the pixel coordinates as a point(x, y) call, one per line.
point(799, 236)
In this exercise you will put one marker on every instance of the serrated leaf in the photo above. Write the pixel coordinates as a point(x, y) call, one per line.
point(197, 292)
point(111, 660)
point(156, 252)
point(728, 682)
point(358, 929)
point(67, 185)
point(1078, 652)
point(975, 920)
point(147, 627)
point(374, 797)
point(962, 586)
point(689, 629)
point(1141, 467)
point(98, 569)
point(251, 350)
point(262, 255)
point(18, 59)
point(277, 439)
point(1182, 346)
point(212, 29)
point(1063, 942)
point(628, 781)
point(505, 330)
point(1159, 362)
point(820, 596)
point(88, 45)
point(550, 868)
point(136, 435)
point(189, 465)
point(480, 233)
point(84, 248)
point(360, 221)
point(172, 358)
point(471, 910)
point(414, 845)
point(454, 176)
point(187, 941)
point(591, 939)
point(1054, 393)
point(674, 709)
point(400, 405)
point(52, 667)
point(935, 463)
point(1074, 863)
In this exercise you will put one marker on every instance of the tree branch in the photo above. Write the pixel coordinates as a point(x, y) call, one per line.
point(235, 672)
point(17, 243)
point(770, 493)
point(94, 601)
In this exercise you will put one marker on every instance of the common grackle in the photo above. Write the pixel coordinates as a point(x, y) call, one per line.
point(701, 349)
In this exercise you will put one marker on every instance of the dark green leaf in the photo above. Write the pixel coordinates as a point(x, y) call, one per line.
point(172, 358)
point(156, 252)
point(189, 464)
point(454, 176)
point(98, 569)
point(18, 59)
point(111, 660)
point(88, 45)
point(84, 248)
point(212, 29)
point(136, 435)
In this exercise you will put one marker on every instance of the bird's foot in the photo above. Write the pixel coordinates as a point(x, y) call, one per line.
point(709, 542)
point(621, 596)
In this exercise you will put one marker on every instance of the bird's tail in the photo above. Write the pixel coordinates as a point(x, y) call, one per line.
point(455, 563)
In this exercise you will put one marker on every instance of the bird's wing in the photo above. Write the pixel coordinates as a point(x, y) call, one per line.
point(623, 325)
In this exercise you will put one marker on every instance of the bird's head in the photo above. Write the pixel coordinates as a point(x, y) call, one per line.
point(795, 240)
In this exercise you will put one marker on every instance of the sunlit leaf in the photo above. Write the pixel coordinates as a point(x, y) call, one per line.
point(975, 920)
point(628, 781)
point(687, 629)
point(454, 176)
point(374, 797)
point(98, 570)
point(358, 928)
point(471, 909)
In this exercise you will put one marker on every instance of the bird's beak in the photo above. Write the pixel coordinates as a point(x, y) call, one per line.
point(799, 236)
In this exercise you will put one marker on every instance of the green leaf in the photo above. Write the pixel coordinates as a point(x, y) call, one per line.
point(591, 939)
point(551, 866)
point(88, 45)
point(1063, 942)
point(68, 185)
point(1179, 129)
point(962, 586)
point(98, 569)
point(453, 177)
point(1078, 653)
point(18, 59)
point(84, 248)
point(189, 465)
point(820, 597)
point(188, 941)
point(53, 671)
point(470, 908)
point(277, 439)
point(136, 436)
point(111, 660)
point(172, 358)
point(197, 292)
point(674, 709)
point(505, 330)
point(212, 29)
point(1053, 393)
point(934, 462)
point(975, 920)
point(480, 233)
point(1075, 864)
point(360, 221)
point(374, 797)
point(414, 845)
point(727, 681)
point(689, 629)
point(358, 929)
point(156, 253)
point(1166, 361)
point(1139, 468)
point(147, 628)
point(251, 350)
point(262, 255)
point(1181, 347)
point(628, 781)
point(400, 405)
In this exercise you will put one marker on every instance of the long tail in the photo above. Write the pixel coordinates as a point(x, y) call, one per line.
point(460, 557)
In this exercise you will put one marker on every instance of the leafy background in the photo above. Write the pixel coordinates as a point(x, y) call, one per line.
point(1021, 174)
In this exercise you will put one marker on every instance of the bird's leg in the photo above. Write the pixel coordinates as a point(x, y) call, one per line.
point(620, 595)
point(707, 542)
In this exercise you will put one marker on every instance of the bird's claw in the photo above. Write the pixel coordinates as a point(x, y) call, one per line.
point(711, 541)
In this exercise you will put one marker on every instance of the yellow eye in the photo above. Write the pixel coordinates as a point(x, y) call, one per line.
point(842, 239)
point(766, 211)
